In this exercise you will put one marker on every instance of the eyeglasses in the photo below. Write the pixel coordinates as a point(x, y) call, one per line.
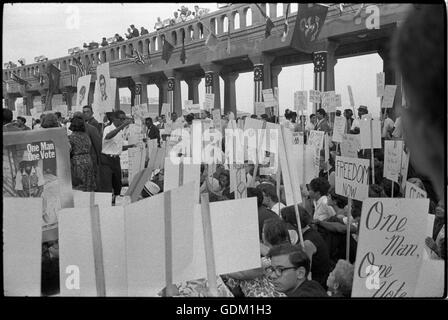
point(277, 270)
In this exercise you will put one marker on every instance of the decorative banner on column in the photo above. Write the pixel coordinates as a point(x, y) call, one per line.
point(300, 100)
point(350, 94)
point(338, 128)
point(209, 101)
point(390, 247)
point(414, 192)
point(352, 177)
point(380, 79)
point(389, 96)
point(315, 96)
point(393, 150)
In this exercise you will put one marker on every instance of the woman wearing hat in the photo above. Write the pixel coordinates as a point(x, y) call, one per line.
point(29, 179)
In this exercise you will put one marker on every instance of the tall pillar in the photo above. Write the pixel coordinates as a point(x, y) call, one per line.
point(193, 89)
point(262, 75)
point(28, 102)
point(275, 71)
point(212, 81)
point(43, 99)
point(10, 102)
point(229, 92)
point(324, 61)
point(162, 84)
point(174, 91)
point(391, 76)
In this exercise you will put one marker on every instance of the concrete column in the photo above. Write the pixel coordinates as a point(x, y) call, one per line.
point(10, 102)
point(141, 89)
point(275, 71)
point(229, 92)
point(67, 96)
point(193, 89)
point(174, 91)
point(162, 84)
point(391, 76)
point(28, 102)
point(262, 75)
point(212, 81)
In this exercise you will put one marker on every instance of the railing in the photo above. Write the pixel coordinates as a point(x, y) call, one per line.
point(238, 17)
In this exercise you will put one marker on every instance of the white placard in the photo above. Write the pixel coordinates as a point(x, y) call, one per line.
point(350, 145)
point(22, 246)
point(315, 96)
point(414, 192)
point(328, 101)
point(316, 139)
point(391, 240)
point(269, 99)
point(82, 199)
point(352, 177)
point(338, 128)
point(82, 92)
point(364, 133)
point(191, 173)
point(300, 100)
point(389, 96)
point(260, 108)
point(338, 100)
point(209, 101)
point(393, 150)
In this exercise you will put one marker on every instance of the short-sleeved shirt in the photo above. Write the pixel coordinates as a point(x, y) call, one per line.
point(322, 210)
point(112, 146)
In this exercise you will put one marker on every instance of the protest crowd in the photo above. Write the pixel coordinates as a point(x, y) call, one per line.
point(316, 262)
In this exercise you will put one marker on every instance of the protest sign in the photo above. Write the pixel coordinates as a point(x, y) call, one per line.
point(328, 101)
point(414, 192)
point(124, 160)
point(83, 88)
point(431, 279)
point(105, 96)
point(380, 78)
point(269, 99)
point(316, 139)
point(159, 240)
point(393, 150)
point(189, 172)
point(300, 100)
point(209, 101)
point(259, 108)
point(390, 247)
point(403, 177)
point(36, 164)
point(350, 94)
point(316, 162)
point(136, 158)
point(389, 96)
point(22, 246)
point(81, 199)
point(351, 177)
point(297, 138)
point(338, 128)
point(216, 115)
point(315, 96)
point(338, 100)
point(365, 133)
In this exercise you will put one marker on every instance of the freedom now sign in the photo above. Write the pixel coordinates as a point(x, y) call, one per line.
point(352, 177)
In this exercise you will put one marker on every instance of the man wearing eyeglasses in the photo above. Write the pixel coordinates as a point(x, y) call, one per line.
point(289, 271)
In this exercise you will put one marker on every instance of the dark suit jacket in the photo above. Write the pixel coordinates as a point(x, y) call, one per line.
point(153, 133)
point(92, 121)
point(96, 140)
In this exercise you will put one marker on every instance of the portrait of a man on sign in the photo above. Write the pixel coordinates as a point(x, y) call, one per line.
point(83, 90)
point(103, 91)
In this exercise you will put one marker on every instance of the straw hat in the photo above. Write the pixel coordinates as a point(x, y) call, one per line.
point(150, 189)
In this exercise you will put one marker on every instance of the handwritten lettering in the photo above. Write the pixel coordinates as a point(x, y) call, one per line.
point(376, 218)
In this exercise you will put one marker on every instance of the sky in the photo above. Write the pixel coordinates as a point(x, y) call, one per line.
point(50, 29)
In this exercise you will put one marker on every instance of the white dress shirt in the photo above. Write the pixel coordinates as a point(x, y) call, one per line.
point(112, 146)
point(322, 210)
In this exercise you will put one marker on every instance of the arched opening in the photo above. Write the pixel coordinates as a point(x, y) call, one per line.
point(213, 26)
point(191, 32)
point(123, 52)
point(201, 30)
point(268, 10)
point(147, 46)
point(279, 10)
point(140, 47)
point(248, 14)
point(294, 7)
point(131, 49)
point(182, 35)
point(236, 21)
point(225, 24)
point(156, 43)
point(112, 54)
point(174, 37)
point(64, 65)
point(103, 56)
point(86, 60)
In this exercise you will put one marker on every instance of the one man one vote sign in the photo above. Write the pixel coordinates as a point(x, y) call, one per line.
point(352, 177)
point(390, 247)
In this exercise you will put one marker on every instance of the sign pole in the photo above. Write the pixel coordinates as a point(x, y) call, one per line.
point(349, 217)
point(371, 152)
point(97, 247)
point(208, 244)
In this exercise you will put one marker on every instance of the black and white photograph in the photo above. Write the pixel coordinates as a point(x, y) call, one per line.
point(311, 168)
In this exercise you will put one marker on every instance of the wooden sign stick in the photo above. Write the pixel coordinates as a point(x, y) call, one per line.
point(304, 151)
point(169, 290)
point(278, 180)
point(208, 244)
point(372, 161)
point(252, 180)
point(97, 247)
point(349, 216)
point(293, 190)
